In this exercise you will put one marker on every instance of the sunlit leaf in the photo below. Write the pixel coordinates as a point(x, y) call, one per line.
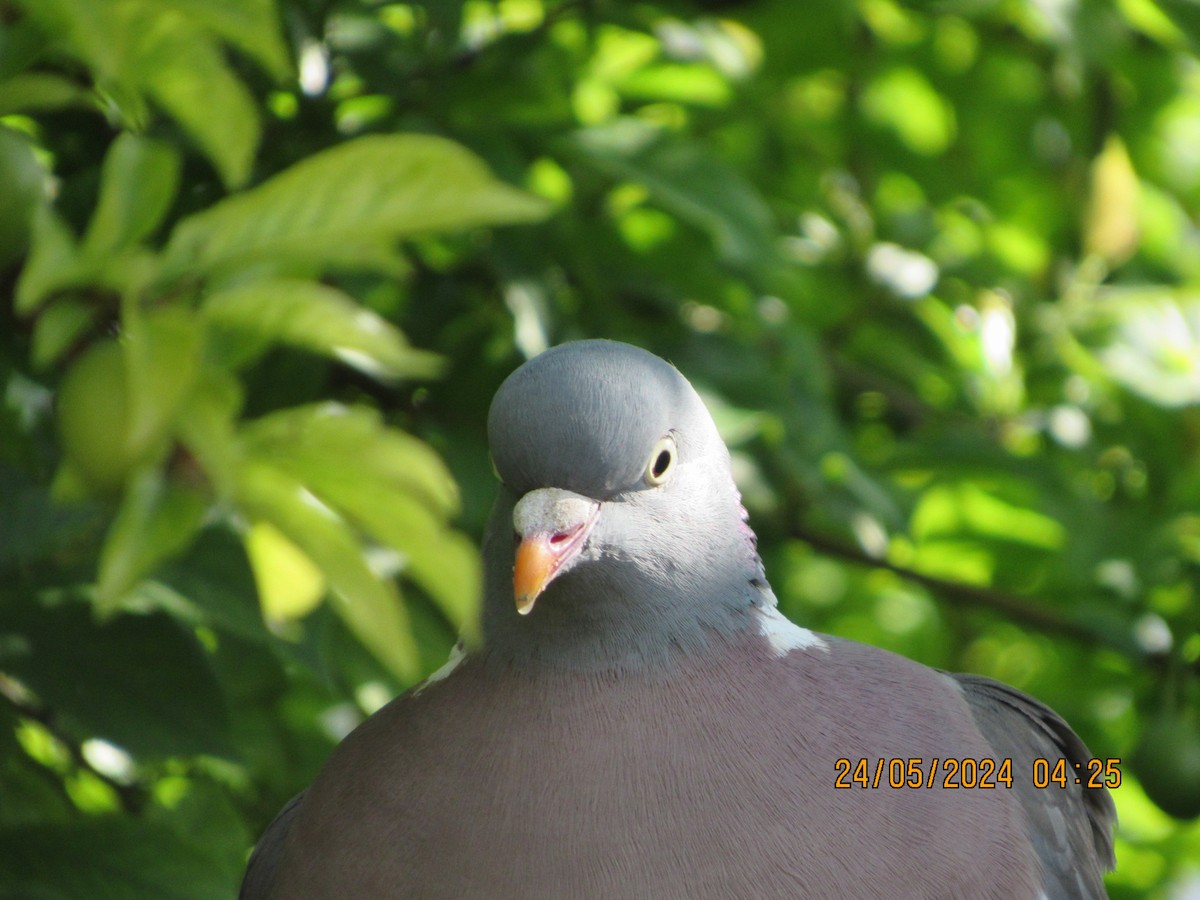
point(442, 561)
point(348, 206)
point(215, 577)
point(1185, 14)
point(29, 796)
point(170, 52)
point(966, 509)
point(903, 101)
point(963, 561)
point(289, 584)
point(1110, 225)
point(315, 317)
point(387, 483)
point(369, 605)
point(1155, 347)
point(307, 440)
point(186, 73)
point(698, 84)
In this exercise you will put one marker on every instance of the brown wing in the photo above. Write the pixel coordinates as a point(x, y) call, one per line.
point(260, 870)
point(1071, 828)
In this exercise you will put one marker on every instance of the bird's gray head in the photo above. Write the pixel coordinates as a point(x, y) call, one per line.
point(618, 539)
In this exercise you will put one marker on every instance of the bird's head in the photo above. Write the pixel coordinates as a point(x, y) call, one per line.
point(618, 535)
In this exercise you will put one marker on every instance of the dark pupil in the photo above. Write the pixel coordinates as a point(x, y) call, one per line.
point(660, 464)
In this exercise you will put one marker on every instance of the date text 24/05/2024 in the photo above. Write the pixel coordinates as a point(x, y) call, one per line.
point(916, 772)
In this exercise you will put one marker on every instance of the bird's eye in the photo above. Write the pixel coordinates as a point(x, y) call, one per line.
point(661, 463)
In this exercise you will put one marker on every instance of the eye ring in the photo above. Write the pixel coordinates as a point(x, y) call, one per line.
point(661, 464)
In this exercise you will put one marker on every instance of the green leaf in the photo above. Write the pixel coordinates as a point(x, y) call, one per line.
point(308, 441)
point(902, 100)
point(58, 327)
point(966, 509)
point(687, 180)
point(290, 585)
point(186, 73)
point(52, 263)
point(111, 858)
point(202, 813)
point(368, 604)
point(22, 42)
point(443, 562)
point(23, 180)
point(1185, 14)
point(162, 364)
point(96, 677)
point(32, 527)
point(205, 426)
point(100, 32)
point(695, 83)
point(397, 491)
point(1110, 221)
point(156, 520)
point(137, 184)
point(118, 403)
point(250, 25)
point(171, 52)
point(348, 206)
point(214, 576)
point(38, 91)
point(1154, 348)
point(314, 317)
point(29, 796)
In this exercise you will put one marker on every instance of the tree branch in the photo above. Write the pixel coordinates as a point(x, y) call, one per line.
point(1013, 607)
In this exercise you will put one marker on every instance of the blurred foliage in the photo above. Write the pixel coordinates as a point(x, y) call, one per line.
point(936, 269)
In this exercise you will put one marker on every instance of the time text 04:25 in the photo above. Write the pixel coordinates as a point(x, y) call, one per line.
point(917, 772)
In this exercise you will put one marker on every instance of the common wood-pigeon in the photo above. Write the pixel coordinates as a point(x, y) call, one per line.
point(642, 722)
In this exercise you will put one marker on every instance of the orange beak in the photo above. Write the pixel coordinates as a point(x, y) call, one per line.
point(553, 526)
point(537, 564)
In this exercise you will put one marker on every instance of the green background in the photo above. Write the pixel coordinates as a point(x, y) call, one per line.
point(934, 267)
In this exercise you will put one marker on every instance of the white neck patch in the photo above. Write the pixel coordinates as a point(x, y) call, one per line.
point(785, 635)
point(457, 654)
